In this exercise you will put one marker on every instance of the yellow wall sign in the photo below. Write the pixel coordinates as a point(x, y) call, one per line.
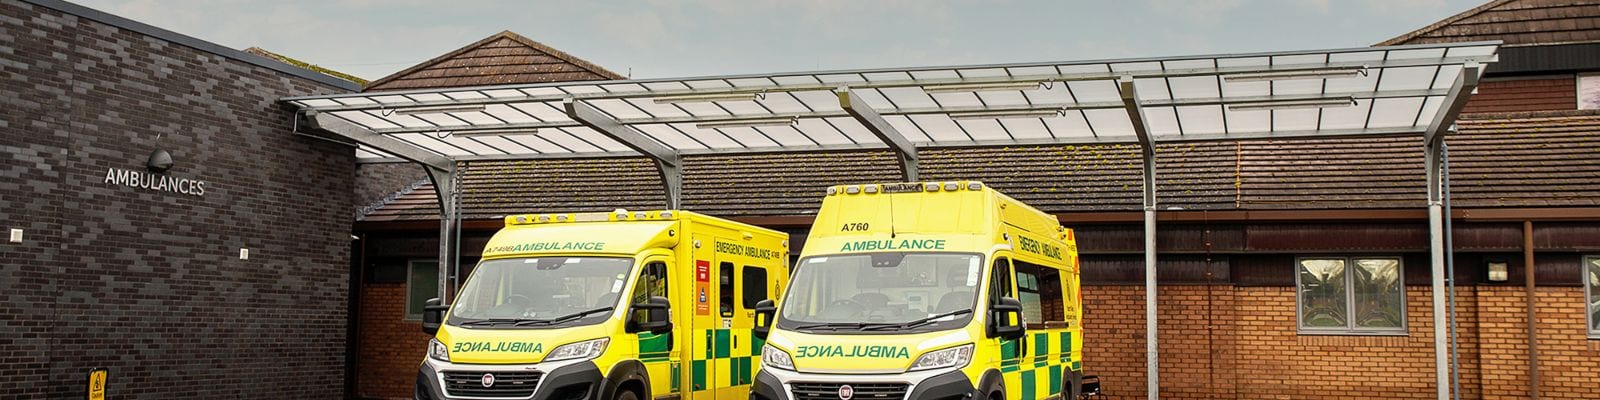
point(97, 384)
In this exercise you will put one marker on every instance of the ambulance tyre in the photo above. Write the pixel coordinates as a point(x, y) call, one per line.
point(1075, 380)
point(627, 395)
point(993, 385)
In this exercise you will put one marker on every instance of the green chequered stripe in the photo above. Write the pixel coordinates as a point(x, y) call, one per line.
point(677, 377)
point(655, 348)
point(698, 370)
point(1043, 362)
point(740, 368)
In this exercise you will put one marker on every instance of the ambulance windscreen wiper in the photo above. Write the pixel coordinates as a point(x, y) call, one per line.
point(834, 325)
point(914, 323)
point(564, 318)
point(494, 321)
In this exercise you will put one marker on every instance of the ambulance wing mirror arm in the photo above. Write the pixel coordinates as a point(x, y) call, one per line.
point(1005, 319)
point(766, 312)
point(653, 315)
point(433, 315)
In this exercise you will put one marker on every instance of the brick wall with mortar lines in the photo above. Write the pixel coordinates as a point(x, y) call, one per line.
point(391, 347)
point(1513, 95)
point(1244, 344)
point(148, 283)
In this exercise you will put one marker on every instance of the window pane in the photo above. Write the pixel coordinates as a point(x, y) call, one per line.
point(725, 289)
point(423, 284)
point(1594, 295)
point(1322, 294)
point(1380, 297)
point(755, 286)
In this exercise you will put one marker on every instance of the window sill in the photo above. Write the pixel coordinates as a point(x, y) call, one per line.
point(1304, 332)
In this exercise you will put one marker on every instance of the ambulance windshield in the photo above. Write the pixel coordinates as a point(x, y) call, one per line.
point(541, 292)
point(890, 292)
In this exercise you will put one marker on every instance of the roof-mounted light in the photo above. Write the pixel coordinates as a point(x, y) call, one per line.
point(1320, 73)
point(1345, 101)
point(871, 189)
point(748, 123)
point(439, 109)
point(852, 189)
point(666, 215)
point(951, 186)
point(544, 218)
point(833, 191)
point(1010, 114)
point(974, 186)
point(498, 132)
point(930, 187)
point(709, 97)
point(640, 215)
point(981, 87)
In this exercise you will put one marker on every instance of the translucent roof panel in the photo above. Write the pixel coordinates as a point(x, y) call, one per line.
point(1360, 91)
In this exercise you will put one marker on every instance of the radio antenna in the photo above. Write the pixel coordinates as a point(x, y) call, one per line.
point(891, 214)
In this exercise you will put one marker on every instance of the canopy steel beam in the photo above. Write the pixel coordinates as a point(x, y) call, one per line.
point(339, 126)
point(668, 162)
point(1147, 147)
point(1434, 167)
point(440, 169)
point(870, 118)
point(1454, 102)
point(1061, 77)
point(1215, 101)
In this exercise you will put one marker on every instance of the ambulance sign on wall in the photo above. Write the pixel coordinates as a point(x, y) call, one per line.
point(702, 287)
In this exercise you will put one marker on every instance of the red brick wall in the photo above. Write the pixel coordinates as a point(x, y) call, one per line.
point(391, 348)
point(1552, 94)
point(1243, 344)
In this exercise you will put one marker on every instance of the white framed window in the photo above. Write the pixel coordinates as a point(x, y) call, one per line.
point(1350, 295)
point(1589, 91)
point(422, 283)
point(1591, 287)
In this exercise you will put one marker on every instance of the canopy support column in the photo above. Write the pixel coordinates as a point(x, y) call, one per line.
point(441, 170)
point(1433, 143)
point(667, 160)
point(1147, 147)
point(905, 152)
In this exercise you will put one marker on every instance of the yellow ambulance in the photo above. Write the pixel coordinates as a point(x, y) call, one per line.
point(620, 305)
point(937, 290)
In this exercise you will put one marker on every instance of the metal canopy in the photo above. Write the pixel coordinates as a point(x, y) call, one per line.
point(1373, 91)
point(1360, 91)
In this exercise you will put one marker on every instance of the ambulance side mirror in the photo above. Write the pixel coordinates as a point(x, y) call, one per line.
point(433, 315)
point(766, 311)
point(1005, 319)
point(653, 315)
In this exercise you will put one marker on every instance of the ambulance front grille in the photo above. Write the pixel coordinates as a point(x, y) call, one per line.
point(859, 391)
point(509, 384)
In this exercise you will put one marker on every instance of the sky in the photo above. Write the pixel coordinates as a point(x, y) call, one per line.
point(662, 38)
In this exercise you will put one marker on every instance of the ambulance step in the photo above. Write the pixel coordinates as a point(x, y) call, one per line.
point(508, 384)
point(857, 391)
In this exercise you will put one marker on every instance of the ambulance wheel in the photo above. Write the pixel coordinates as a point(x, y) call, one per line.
point(1076, 381)
point(627, 395)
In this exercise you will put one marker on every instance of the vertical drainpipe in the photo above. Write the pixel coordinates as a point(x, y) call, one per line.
point(1533, 324)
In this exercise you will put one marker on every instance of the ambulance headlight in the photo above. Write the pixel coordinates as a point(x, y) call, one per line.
point(579, 351)
point(947, 358)
point(438, 351)
point(776, 358)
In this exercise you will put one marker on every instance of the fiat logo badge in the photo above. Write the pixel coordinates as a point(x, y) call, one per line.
point(846, 392)
point(488, 380)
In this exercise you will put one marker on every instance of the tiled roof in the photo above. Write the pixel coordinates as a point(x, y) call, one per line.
point(1497, 160)
point(502, 59)
point(1516, 22)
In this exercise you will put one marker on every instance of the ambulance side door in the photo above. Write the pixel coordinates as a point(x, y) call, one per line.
point(704, 321)
point(662, 357)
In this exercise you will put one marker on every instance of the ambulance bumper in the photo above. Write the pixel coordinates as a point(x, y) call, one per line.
point(777, 384)
point(570, 380)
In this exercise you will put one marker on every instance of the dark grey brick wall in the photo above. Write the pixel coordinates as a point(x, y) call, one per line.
point(149, 284)
point(377, 181)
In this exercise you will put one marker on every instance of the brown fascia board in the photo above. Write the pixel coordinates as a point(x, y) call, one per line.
point(1124, 217)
